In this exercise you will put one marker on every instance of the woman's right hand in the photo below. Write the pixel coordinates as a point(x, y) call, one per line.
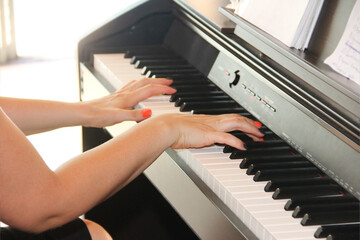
point(195, 131)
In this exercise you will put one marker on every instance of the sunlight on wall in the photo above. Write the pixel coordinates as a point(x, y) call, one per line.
point(47, 32)
point(53, 27)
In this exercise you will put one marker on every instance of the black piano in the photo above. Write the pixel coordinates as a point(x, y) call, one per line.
point(301, 182)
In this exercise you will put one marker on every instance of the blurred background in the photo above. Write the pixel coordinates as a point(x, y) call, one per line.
point(44, 34)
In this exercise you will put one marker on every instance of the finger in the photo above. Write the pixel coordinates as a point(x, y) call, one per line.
point(232, 122)
point(257, 138)
point(129, 85)
point(147, 81)
point(151, 90)
point(228, 139)
point(161, 81)
point(133, 115)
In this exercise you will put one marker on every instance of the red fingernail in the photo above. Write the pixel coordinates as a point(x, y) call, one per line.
point(257, 123)
point(146, 113)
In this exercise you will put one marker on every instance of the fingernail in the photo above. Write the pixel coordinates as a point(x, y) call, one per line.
point(257, 123)
point(146, 113)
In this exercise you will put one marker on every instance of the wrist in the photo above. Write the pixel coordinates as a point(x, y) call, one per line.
point(86, 113)
point(165, 128)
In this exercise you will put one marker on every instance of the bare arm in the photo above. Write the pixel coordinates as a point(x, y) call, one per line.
point(34, 116)
point(34, 198)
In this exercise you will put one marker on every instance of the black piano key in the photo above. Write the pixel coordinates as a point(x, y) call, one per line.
point(336, 198)
point(344, 235)
point(136, 58)
point(268, 143)
point(272, 185)
point(291, 173)
point(181, 100)
point(178, 95)
point(189, 82)
point(271, 142)
point(300, 211)
point(320, 218)
point(145, 69)
point(174, 76)
point(228, 149)
point(242, 136)
point(147, 50)
point(157, 62)
point(246, 162)
point(253, 168)
point(199, 88)
point(240, 133)
point(269, 136)
point(309, 191)
point(338, 230)
point(217, 111)
point(155, 73)
point(188, 106)
point(238, 154)
point(188, 85)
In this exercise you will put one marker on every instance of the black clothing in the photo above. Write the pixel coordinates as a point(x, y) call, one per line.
point(73, 230)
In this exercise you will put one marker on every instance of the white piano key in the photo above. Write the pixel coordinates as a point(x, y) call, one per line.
point(228, 172)
point(222, 166)
point(159, 105)
point(209, 161)
point(246, 188)
point(234, 183)
point(265, 207)
point(161, 98)
point(212, 149)
point(299, 235)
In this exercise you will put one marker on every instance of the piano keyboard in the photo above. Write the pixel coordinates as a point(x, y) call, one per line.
point(247, 182)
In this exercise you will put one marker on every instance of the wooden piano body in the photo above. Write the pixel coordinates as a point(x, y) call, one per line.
point(296, 96)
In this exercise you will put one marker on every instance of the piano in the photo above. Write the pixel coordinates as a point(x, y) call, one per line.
point(301, 182)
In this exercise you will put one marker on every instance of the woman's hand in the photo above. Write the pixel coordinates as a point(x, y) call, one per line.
point(116, 107)
point(195, 131)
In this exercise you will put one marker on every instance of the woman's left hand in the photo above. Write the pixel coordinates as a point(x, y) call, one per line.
point(117, 107)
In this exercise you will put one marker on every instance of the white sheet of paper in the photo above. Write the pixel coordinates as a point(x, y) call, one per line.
point(346, 57)
point(280, 18)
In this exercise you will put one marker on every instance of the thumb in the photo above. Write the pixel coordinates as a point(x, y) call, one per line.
point(134, 115)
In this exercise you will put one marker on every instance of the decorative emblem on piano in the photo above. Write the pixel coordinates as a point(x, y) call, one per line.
point(236, 79)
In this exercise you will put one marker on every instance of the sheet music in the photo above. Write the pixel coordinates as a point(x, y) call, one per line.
point(290, 21)
point(346, 57)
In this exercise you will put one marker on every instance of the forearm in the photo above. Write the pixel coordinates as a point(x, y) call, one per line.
point(34, 116)
point(106, 169)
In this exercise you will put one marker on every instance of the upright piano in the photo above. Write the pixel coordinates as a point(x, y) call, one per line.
point(301, 182)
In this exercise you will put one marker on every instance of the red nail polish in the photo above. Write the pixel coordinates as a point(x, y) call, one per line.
point(257, 123)
point(146, 113)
